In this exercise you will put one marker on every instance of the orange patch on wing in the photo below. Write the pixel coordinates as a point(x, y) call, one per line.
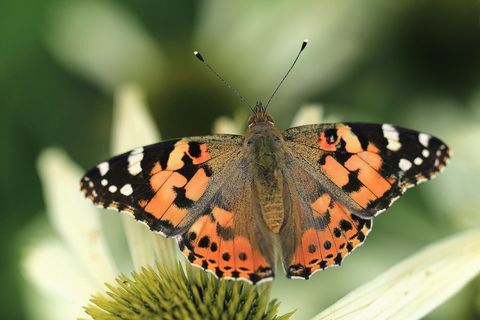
point(363, 196)
point(243, 256)
point(327, 246)
point(158, 178)
point(174, 215)
point(372, 148)
point(197, 185)
point(311, 248)
point(335, 171)
point(368, 176)
point(224, 218)
point(373, 159)
point(156, 168)
point(325, 145)
point(207, 238)
point(165, 196)
point(352, 144)
point(226, 260)
point(203, 157)
point(320, 206)
point(175, 158)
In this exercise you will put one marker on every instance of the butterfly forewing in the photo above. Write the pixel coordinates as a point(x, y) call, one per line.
point(369, 165)
point(161, 184)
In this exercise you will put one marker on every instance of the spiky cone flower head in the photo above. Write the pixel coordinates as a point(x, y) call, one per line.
point(166, 293)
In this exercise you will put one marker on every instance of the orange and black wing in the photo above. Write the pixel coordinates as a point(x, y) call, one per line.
point(319, 231)
point(231, 239)
point(369, 165)
point(197, 190)
point(164, 185)
point(339, 177)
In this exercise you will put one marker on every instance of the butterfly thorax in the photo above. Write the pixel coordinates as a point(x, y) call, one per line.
point(264, 143)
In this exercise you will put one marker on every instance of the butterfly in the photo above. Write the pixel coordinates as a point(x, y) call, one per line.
point(237, 204)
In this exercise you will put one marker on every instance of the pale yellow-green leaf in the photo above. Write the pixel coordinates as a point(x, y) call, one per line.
point(225, 125)
point(416, 286)
point(75, 219)
point(308, 114)
point(133, 127)
point(59, 283)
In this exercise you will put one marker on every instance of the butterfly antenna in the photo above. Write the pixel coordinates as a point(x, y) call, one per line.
point(202, 60)
point(304, 44)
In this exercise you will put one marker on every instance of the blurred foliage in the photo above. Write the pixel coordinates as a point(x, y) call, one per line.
point(400, 62)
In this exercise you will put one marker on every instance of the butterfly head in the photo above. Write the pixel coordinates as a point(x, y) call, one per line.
point(260, 117)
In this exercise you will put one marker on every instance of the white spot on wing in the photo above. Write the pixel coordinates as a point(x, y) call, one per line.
point(134, 161)
point(393, 145)
point(112, 188)
point(126, 190)
point(425, 153)
point(104, 182)
point(391, 134)
point(418, 161)
point(137, 151)
point(404, 164)
point(424, 139)
point(103, 168)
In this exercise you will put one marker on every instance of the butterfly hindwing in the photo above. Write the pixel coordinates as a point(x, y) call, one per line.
point(231, 239)
point(319, 231)
point(161, 184)
point(368, 165)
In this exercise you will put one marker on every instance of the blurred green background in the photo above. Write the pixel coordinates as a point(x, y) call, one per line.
point(411, 63)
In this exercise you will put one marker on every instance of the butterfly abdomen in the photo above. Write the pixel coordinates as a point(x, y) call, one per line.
point(266, 164)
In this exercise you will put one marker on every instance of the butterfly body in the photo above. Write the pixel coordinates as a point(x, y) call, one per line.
point(265, 148)
point(238, 204)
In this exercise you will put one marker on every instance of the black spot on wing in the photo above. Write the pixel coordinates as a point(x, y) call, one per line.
point(353, 183)
point(181, 200)
point(194, 149)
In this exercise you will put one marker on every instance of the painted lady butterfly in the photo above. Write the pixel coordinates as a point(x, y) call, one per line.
point(229, 200)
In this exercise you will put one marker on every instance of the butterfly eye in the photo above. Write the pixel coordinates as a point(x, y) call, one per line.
point(249, 142)
point(276, 138)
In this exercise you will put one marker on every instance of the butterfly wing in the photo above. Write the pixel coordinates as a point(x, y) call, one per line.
point(231, 239)
point(319, 231)
point(370, 165)
point(197, 190)
point(339, 177)
point(164, 185)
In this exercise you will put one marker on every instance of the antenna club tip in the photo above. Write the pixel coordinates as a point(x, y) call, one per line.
point(304, 44)
point(198, 55)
